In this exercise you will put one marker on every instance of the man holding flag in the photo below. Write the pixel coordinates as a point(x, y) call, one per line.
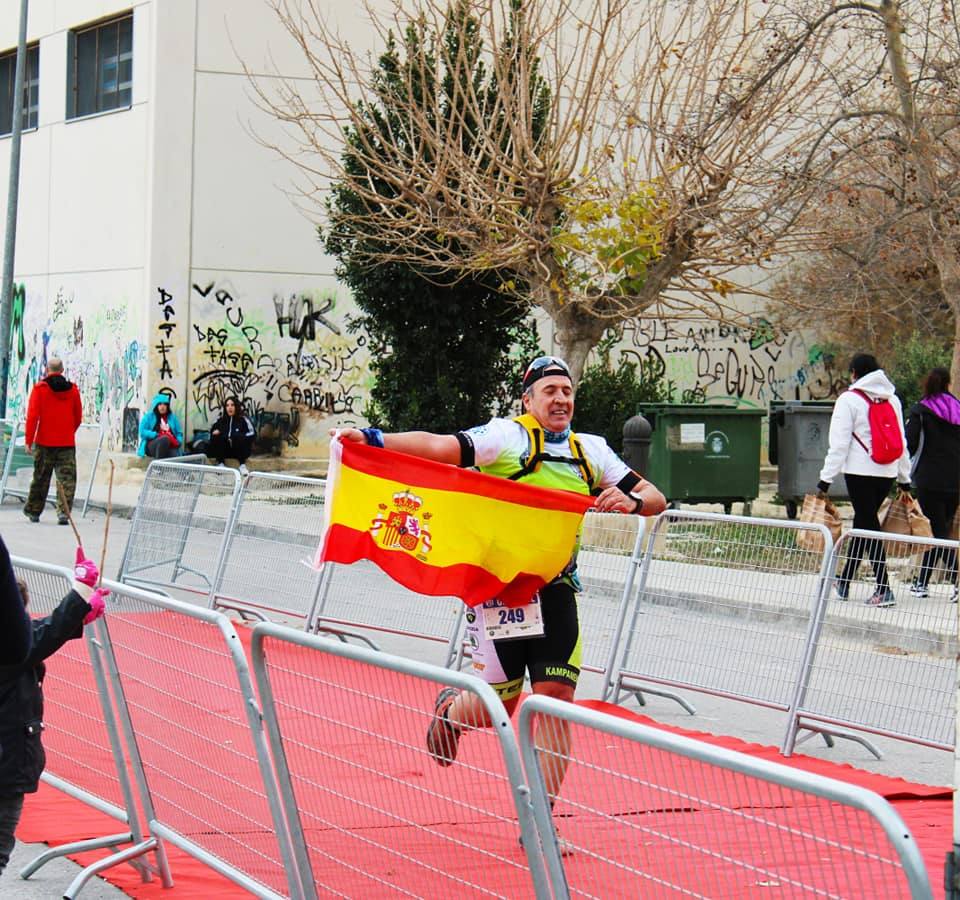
point(537, 448)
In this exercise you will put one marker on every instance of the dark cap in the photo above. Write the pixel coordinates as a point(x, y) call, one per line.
point(543, 366)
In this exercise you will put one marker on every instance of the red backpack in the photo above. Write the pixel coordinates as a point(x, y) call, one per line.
point(885, 435)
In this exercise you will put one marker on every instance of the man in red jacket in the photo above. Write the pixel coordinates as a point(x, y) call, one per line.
point(53, 417)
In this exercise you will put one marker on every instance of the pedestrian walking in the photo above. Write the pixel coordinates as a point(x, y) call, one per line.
point(232, 435)
point(868, 445)
point(160, 433)
point(54, 414)
point(536, 448)
point(933, 441)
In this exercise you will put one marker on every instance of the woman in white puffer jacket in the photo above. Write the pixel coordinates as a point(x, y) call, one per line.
point(868, 482)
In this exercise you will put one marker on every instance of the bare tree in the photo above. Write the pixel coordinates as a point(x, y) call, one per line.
point(884, 173)
point(668, 170)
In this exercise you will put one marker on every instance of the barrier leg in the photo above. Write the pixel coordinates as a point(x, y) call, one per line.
point(127, 855)
point(109, 840)
point(638, 692)
point(829, 733)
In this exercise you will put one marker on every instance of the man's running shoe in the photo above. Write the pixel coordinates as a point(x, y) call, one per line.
point(842, 590)
point(565, 847)
point(442, 735)
point(919, 590)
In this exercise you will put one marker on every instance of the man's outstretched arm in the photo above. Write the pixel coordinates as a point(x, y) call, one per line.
point(443, 448)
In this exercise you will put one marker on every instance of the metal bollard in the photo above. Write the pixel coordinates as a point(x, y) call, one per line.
point(636, 443)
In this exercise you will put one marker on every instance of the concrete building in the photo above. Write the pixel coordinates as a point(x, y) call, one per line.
point(158, 249)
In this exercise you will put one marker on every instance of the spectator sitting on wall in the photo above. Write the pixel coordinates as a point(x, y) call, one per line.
point(232, 435)
point(160, 433)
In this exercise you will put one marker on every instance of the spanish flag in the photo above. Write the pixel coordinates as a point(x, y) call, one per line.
point(444, 531)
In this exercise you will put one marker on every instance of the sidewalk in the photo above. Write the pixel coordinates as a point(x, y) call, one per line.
point(130, 471)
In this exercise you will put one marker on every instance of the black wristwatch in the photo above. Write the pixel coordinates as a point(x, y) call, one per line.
point(639, 501)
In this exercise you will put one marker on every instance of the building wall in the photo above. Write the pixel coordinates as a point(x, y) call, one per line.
point(80, 240)
point(268, 321)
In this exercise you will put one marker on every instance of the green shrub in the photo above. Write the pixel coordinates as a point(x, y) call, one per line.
point(910, 363)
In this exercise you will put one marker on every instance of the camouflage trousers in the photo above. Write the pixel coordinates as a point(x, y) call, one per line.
point(46, 461)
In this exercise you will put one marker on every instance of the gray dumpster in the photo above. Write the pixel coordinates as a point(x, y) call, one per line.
point(799, 438)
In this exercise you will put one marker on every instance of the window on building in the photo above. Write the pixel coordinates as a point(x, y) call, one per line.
point(31, 88)
point(100, 67)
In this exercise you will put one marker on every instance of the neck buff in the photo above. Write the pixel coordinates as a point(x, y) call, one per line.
point(556, 437)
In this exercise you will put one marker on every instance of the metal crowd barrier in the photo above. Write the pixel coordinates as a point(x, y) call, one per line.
point(80, 728)
point(267, 562)
point(346, 727)
point(723, 606)
point(190, 718)
point(652, 814)
point(361, 596)
point(888, 671)
point(611, 547)
point(18, 464)
point(180, 526)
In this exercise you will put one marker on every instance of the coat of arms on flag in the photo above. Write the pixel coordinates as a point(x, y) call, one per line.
point(402, 526)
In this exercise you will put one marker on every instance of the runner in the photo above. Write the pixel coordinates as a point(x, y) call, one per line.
point(536, 448)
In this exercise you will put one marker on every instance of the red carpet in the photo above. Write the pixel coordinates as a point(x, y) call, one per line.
point(342, 775)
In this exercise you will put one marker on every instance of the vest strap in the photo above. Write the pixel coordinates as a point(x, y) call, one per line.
point(538, 455)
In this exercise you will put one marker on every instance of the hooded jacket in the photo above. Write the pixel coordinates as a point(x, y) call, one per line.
point(851, 416)
point(148, 425)
point(54, 413)
point(15, 628)
point(934, 429)
point(21, 696)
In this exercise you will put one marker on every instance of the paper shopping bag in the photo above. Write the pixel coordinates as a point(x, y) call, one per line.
point(819, 511)
point(902, 515)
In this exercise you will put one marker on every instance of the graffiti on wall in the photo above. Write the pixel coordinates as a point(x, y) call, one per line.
point(752, 364)
point(166, 325)
point(284, 356)
point(98, 341)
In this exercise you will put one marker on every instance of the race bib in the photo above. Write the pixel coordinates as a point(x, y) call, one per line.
point(509, 623)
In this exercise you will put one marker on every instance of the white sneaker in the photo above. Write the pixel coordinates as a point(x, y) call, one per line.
point(244, 470)
point(221, 465)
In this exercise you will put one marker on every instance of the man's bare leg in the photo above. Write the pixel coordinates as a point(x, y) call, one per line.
point(553, 739)
point(455, 712)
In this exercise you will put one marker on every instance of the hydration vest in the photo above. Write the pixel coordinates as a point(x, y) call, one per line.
point(538, 455)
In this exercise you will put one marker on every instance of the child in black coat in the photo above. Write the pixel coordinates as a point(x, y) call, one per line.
point(21, 697)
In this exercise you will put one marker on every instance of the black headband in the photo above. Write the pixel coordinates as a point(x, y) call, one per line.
point(548, 365)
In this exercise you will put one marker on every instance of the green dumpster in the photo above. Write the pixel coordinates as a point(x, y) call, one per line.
point(705, 454)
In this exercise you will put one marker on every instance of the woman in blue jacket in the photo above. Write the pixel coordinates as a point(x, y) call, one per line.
point(160, 432)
